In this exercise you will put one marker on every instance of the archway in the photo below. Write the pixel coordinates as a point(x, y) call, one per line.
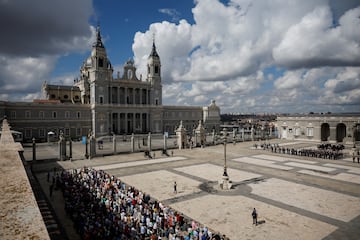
point(325, 131)
point(357, 132)
point(340, 132)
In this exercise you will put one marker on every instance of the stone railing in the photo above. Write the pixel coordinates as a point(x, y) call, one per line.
point(20, 217)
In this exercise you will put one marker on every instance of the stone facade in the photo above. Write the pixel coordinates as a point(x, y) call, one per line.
point(105, 104)
point(335, 128)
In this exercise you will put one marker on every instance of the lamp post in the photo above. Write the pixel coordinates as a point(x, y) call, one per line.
point(224, 132)
point(225, 183)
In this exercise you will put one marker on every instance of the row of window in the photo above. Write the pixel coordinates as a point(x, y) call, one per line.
point(101, 100)
point(182, 114)
point(42, 133)
point(54, 114)
point(53, 96)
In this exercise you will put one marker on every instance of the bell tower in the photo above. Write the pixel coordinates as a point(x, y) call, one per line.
point(154, 76)
point(95, 77)
point(95, 74)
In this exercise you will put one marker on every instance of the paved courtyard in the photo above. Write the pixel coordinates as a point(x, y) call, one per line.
point(296, 197)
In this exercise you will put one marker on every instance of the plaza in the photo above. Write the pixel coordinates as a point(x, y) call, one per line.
point(296, 197)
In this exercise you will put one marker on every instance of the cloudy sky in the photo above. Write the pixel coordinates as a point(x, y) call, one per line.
point(250, 56)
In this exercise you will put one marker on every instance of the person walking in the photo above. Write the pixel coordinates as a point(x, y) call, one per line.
point(353, 156)
point(175, 187)
point(358, 156)
point(254, 216)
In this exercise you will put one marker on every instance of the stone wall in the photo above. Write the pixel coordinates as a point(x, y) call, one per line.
point(20, 217)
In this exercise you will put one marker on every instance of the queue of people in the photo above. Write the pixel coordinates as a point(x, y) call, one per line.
point(326, 151)
point(103, 207)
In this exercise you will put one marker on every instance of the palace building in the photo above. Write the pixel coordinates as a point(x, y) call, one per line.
point(105, 104)
point(334, 128)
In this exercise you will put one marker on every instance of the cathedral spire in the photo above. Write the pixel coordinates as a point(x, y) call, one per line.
point(153, 51)
point(98, 42)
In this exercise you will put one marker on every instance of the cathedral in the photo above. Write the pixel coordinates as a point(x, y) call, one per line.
point(105, 104)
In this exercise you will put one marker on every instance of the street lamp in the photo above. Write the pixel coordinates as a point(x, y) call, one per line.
point(224, 132)
point(225, 183)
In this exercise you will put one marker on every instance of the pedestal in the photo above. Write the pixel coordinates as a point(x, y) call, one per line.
point(225, 183)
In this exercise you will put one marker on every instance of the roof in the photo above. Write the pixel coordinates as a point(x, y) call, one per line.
point(62, 87)
point(46, 101)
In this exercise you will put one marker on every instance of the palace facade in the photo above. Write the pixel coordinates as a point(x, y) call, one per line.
point(104, 104)
point(334, 128)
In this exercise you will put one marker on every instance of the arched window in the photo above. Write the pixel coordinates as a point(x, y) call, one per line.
point(101, 62)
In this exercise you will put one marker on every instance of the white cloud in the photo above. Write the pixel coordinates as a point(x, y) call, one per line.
point(35, 35)
point(314, 42)
point(173, 13)
point(223, 55)
point(24, 75)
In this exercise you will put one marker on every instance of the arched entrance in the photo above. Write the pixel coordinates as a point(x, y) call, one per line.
point(325, 131)
point(340, 132)
point(357, 132)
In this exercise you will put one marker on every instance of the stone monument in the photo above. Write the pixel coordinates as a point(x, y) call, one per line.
point(200, 137)
point(181, 136)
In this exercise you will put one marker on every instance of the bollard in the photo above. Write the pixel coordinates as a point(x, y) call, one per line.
point(114, 143)
point(132, 142)
point(34, 149)
point(70, 149)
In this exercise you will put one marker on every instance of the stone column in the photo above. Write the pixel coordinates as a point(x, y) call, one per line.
point(87, 148)
point(62, 147)
point(132, 142)
point(149, 142)
point(126, 95)
point(114, 143)
point(141, 122)
point(92, 146)
point(126, 123)
point(234, 135)
point(252, 134)
point(165, 142)
point(33, 149)
point(141, 100)
point(70, 149)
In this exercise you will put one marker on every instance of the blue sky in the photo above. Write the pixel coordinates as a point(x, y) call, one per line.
point(250, 56)
point(119, 21)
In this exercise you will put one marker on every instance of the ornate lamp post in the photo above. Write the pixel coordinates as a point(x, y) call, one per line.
point(224, 137)
point(225, 183)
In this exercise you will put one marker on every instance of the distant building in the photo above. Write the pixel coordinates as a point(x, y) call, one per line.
point(103, 104)
point(335, 128)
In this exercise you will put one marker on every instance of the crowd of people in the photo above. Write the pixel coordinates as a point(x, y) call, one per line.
point(103, 207)
point(326, 151)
